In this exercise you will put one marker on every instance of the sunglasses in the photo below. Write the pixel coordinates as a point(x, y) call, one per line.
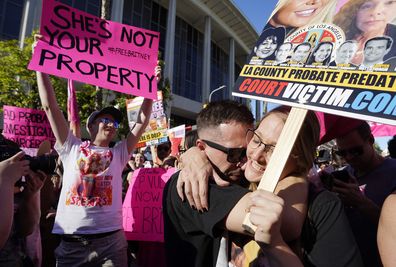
point(354, 151)
point(107, 121)
point(234, 155)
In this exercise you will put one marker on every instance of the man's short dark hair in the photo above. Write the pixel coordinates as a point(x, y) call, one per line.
point(388, 40)
point(392, 147)
point(216, 113)
point(302, 44)
point(190, 139)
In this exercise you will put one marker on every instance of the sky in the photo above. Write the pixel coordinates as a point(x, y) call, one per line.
point(258, 12)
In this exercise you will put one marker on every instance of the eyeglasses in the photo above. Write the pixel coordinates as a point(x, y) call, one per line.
point(353, 151)
point(255, 141)
point(107, 121)
point(234, 155)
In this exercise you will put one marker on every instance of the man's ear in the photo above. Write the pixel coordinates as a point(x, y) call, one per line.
point(200, 144)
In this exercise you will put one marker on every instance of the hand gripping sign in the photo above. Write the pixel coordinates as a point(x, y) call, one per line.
point(88, 49)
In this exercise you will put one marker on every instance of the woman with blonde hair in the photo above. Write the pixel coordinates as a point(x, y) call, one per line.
point(294, 14)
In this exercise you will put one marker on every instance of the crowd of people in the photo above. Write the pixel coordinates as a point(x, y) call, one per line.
point(329, 208)
point(304, 222)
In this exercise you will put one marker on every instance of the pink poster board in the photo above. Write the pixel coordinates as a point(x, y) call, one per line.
point(85, 48)
point(142, 207)
point(27, 127)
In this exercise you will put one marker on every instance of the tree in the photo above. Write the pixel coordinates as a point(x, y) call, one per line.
point(18, 84)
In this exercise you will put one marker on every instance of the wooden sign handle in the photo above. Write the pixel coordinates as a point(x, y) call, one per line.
point(279, 157)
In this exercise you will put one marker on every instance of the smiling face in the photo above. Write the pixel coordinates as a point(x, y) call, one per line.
point(373, 16)
point(298, 13)
point(283, 52)
point(228, 135)
point(301, 53)
point(345, 53)
point(267, 132)
point(375, 51)
point(323, 52)
point(266, 48)
point(101, 131)
point(139, 159)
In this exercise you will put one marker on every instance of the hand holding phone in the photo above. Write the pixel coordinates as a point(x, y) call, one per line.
point(342, 175)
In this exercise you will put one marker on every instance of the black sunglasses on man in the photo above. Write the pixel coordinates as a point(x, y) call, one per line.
point(234, 155)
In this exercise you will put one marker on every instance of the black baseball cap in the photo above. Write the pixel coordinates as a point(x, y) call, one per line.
point(115, 113)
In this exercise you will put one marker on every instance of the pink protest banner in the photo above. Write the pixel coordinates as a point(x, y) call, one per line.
point(142, 207)
point(378, 129)
point(27, 127)
point(88, 49)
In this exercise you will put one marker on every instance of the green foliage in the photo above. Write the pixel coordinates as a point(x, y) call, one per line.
point(18, 84)
point(377, 148)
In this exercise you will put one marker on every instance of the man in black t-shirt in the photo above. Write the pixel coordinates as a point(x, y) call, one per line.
point(194, 238)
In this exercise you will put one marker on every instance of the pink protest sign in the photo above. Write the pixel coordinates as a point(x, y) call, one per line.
point(27, 127)
point(142, 207)
point(378, 129)
point(88, 49)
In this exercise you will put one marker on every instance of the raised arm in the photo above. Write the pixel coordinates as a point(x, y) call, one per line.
point(143, 117)
point(140, 125)
point(386, 237)
point(55, 116)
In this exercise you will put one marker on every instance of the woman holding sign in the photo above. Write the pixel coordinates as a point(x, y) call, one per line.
point(312, 218)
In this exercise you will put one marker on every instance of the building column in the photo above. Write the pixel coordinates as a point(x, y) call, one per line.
point(231, 67)
point(258, 110)
point(117, 10)
point(170, 41)
point(206, 59)
point(30, 19)
point(170, 49)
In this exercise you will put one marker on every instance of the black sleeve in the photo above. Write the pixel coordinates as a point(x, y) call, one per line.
point(221, 200)
point(335, 245)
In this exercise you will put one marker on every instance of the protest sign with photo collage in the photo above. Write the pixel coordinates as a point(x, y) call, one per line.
point(336, 57)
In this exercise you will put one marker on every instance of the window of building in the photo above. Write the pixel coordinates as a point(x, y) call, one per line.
point(90, 6)
point(148, 15)
point(10, 18)
point(188, 57)
point(218, 72)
